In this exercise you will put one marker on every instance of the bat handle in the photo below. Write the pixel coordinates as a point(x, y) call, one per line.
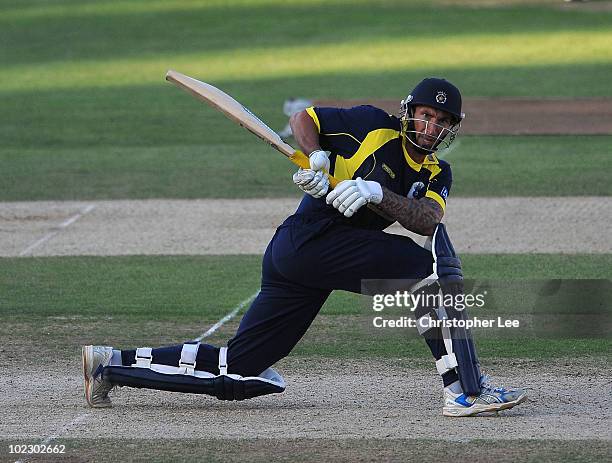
point(301, 160)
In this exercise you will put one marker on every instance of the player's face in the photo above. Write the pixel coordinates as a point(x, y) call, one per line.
point(430, 124)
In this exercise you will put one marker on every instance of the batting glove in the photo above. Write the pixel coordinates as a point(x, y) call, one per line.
point(319, 160)
point(316, 184)
point(350, 195)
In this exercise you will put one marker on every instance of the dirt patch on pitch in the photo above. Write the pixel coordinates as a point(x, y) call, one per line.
point(330, 399)
point(244, 226)
point(213, 450)
point(518, 116)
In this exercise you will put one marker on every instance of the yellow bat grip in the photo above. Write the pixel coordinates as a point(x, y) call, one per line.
point(301, 160)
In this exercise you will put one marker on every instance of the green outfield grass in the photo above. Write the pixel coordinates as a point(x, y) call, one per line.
point(129, 43)
point(192, 287)
point(531, 166)
point(539, 166)
point(121, 300)
point(86, 113)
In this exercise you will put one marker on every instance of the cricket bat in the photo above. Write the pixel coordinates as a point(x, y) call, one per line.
point(241, 115)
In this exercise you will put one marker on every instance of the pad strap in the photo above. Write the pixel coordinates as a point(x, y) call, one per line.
point(188, 358)
point(144, 357)
point(424, 324)
point(446, 363)
point(223, 361)
point(224, 387)
point(431, 279)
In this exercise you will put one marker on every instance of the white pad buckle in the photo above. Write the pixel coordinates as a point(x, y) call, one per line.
point(446, 363)
point(223, 361)
point(144, 357)
point(188, 358)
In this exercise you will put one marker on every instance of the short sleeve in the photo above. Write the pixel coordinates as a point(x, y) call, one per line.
point(355, 122)
point(440, 184)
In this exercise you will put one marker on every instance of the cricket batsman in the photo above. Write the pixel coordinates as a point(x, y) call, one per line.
point(389, 173)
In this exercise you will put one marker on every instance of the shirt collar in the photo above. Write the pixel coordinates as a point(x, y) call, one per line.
point(429, 159)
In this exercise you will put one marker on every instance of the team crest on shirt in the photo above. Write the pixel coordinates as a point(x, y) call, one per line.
point(415, 189)
point(444, 193)
point(441, 97)
point(388, 170)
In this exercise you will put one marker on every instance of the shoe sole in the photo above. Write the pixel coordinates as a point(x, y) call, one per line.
point(481, 408)
point(87, 359)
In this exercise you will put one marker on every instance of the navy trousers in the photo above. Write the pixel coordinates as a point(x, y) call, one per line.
point(300, 269)
point(304, 262)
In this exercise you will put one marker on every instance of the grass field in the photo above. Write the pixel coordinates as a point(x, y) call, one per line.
point(193, 287)
point(113, 296)
point(540, 166)
point(86, 115)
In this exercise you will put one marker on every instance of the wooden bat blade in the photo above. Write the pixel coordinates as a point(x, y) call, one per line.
point(241, 115)
point(231, 108)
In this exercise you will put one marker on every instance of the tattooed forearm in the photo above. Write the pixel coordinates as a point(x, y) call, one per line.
point(417, 215)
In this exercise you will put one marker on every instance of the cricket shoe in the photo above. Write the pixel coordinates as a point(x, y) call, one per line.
point(95, 358)
point(491, 399)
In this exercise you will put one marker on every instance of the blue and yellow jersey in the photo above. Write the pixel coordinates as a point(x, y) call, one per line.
point(366, 142)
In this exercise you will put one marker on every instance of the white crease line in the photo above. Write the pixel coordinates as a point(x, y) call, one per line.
point(228, 317)
point(66, 223)
point(207, 333)
point(52, 437)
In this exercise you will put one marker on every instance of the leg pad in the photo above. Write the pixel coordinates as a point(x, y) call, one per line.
point(223, 387)
point(447, 266)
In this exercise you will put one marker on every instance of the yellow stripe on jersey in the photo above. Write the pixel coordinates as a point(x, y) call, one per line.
point(433, 168)
point(345, 168)
point(342, 133)
point(311, 112)
point(313, 115)
point(413, 164)
point(431, 159)
point(437, 198)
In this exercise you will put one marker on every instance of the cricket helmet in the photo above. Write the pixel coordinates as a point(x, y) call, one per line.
point(439, 94)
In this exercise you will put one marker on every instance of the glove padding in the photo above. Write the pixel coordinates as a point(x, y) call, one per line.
point(350, 195)
point(316, 184)
point(319, 160)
